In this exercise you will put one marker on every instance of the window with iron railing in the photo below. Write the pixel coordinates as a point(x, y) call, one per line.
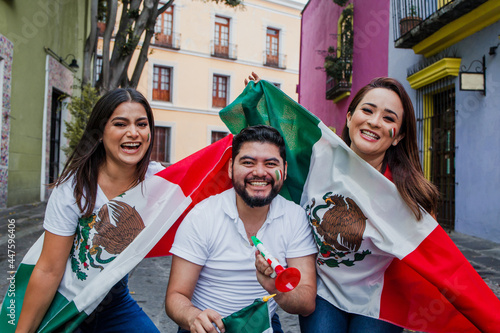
point(221, 37)
point(273, 57)
point(228, 51)
point(164, 30)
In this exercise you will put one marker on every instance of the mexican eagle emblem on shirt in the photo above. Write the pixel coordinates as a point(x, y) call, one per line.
point(99, 238)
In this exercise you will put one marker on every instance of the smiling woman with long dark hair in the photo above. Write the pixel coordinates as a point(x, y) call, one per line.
point(112, 156)
point(380, 128)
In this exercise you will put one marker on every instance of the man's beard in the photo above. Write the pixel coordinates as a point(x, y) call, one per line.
point(256, 201)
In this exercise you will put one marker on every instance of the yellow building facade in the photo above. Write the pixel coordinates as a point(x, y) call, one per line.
point(200, 55)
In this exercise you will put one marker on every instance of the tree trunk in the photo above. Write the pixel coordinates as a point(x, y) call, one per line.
point(126, 44)
point(110, 25)
point(90, 44)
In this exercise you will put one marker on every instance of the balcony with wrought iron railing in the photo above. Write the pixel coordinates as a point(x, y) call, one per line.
point(337, 90)
point(416, 20)
point(228, 51)
point(338, 81)
point(170, 41)
point(274, 60)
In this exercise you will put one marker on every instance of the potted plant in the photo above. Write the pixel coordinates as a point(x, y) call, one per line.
point(338, 70)
point(334, 65)
point(409, 22)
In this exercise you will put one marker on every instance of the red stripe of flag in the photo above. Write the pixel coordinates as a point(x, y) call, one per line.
point(426, 301)
point(200, 175)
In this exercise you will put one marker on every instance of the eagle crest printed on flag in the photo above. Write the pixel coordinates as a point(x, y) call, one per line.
point(341, 229)
point(99, 234)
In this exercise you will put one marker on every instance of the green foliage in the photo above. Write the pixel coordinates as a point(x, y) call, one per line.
point(335, 66)
point(79, 108)
point(133, 13)
point(127, 45)
point(413, 11)
point(102, 10)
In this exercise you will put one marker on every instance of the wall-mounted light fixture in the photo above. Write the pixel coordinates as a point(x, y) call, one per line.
point(73, 65)
point(473, 80)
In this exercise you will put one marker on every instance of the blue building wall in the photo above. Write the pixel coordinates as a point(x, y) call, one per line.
point(478, 141)
point(477, 191)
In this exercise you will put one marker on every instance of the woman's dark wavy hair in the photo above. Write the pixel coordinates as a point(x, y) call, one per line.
point(402, 159)
point(89, 154)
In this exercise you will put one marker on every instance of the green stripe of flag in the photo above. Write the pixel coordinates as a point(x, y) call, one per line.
point(263, 103)
point(62, 315)
point(61, 311)
point(251, 319)
point(11, 306)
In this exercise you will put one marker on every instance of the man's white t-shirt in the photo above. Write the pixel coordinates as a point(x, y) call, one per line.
point(213, 236)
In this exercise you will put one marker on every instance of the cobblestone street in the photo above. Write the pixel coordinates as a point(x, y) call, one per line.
point(148, 281)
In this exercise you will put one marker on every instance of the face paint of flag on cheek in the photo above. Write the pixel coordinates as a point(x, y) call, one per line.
point(279, 175)
point(148, 137)
point(392, 132)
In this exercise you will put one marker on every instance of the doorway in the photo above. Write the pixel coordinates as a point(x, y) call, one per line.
point(55, 134)
point(443, 154)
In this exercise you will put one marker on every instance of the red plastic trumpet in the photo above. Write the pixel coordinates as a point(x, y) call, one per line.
point(286, 278)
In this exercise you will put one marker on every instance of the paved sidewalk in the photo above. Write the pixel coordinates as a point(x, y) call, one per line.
point(149, 279)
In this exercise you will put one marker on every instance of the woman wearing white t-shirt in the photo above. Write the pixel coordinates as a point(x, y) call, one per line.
point(111, 157)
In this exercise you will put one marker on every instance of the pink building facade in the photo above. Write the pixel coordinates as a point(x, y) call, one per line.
point(320, 25)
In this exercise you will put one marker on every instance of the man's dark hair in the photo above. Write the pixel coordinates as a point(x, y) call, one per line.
point(262, 134)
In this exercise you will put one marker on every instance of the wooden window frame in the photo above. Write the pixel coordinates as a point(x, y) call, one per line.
point(161, 73)
point(221, 36)
point(217, 135)
point(273, 47)
point(162, 145)
point(164, 28)
point(219, 90)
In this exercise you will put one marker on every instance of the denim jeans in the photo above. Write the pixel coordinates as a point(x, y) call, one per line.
point(118, 312)
point(275, 322)
point(329, 319)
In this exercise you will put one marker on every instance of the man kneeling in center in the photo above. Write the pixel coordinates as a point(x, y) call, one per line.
point(214, 262)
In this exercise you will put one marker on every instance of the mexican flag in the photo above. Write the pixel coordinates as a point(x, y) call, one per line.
point(253, 318)
point(404, 271)
point(102, 254)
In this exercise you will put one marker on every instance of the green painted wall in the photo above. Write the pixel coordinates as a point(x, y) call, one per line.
point(32, 25)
